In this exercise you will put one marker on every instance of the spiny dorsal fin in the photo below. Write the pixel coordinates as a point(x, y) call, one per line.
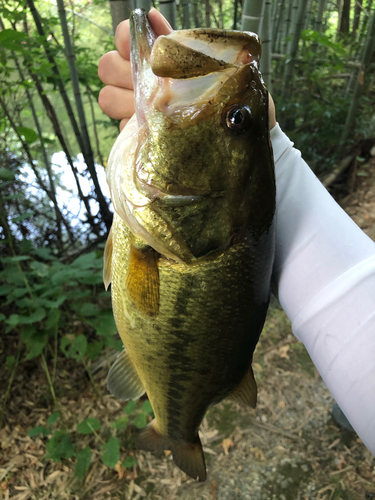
point(142, 281)
point(107, 257)
point(188, 457)
point(246, 392)
point(123, 380)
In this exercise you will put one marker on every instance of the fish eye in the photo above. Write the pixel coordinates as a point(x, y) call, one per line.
point(238, 119)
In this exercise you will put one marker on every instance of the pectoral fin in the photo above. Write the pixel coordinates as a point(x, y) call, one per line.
point(142, 281)
point(107, 258)
point(123, 380)
point(246, 392)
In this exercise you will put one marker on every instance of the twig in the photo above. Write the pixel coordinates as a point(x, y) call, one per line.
point(44, 363)
point(271, 428)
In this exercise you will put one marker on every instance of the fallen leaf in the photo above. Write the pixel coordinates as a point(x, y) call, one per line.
point(226, 444)
point(120, 470)
point(259, 455)
point(283, 351)
point(213, 489)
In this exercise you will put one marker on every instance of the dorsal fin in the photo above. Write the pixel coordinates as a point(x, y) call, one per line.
point(123, 379)
point(246, 392)
point(107, 258)
point(142, 282)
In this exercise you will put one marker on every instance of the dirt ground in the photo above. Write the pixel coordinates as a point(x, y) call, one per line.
point(289, 448)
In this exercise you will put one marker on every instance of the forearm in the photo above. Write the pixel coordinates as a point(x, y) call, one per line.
point(324, 277)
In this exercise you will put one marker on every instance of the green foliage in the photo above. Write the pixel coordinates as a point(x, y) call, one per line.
point(63, 444)
point(40, 295)
point(111, 452)
point(83, 462)
point(314, 115)
point(89, 425)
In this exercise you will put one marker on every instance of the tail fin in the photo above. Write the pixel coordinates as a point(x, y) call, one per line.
point(188, 457)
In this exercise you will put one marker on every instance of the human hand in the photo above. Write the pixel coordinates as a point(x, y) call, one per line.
point(116, 98)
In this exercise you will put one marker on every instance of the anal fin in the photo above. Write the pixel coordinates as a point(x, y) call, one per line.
point(246, 392)
point(123, 380)
point(188, 457)
point(142, 281)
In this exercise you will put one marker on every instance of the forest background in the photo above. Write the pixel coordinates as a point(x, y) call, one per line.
point(55, 213)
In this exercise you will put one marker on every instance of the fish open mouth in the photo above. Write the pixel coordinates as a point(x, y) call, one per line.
point(186, 67)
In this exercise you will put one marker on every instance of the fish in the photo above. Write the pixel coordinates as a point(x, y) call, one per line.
point(191, 249)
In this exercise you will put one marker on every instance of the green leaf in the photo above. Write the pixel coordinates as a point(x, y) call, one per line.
point(59, 447)
point(10, 361)
point(53, 318)
point(89, 309)
point(130, 407)
point(10, 35)
point(140, 420)
point(24, 216)
point(77, 348)
point(85, 261)
point(147, 408)
point(28, 134)
point(6, 289)
point(6, 174)
point(129, 462)
point(89, 425)
point(111, 452)
point(83, 462)
point(39, 429)
point(94, 349)
point(120, 423)
point(13, 320)
point(43, 253)
point(35, 317)
point(53, 418)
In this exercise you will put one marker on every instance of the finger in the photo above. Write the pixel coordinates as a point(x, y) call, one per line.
point(122, 39)
point(123, 123)
point(114, 70)
point(116, 102)
point(158, 22)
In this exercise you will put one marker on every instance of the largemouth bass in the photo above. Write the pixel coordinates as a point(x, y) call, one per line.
point(191, 248)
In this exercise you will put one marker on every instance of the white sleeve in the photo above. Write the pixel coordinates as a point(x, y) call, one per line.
point(324, 277)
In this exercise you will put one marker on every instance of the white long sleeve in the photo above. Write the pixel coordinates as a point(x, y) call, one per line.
point(324, 277)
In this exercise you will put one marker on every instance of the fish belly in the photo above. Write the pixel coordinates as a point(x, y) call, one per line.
point(199, 346)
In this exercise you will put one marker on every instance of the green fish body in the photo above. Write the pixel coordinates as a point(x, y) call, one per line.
point(191, 248)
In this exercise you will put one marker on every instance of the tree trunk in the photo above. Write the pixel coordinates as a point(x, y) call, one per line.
point(251, 15)
point(120, 10)
point(265, 36)
point(143, 4)
point(185, 14)
point(319, 17)
point(367, 52)
point(276, 31)
point(235, 14)
point(197, 13)
point(345, 17)
point(168, 9)
point(289, 67)
point(288, 22)
point(221, 16)
point(104, 210)
point(207, 13)
point(357, 15)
